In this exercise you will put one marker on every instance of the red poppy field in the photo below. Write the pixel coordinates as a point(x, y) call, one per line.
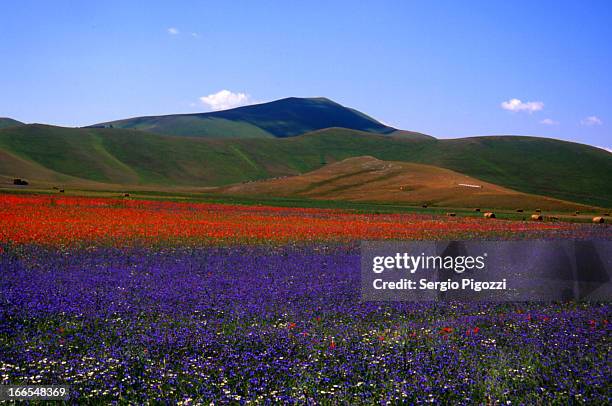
point(52, 220)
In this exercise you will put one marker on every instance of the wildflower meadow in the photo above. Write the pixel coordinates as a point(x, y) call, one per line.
point(130, 301)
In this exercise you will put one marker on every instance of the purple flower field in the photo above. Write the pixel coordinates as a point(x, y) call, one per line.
point(278, 324)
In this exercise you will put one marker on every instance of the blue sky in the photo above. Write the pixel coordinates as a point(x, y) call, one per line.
point(443, 68)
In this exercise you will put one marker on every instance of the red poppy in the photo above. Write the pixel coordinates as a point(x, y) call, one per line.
point(71, 220)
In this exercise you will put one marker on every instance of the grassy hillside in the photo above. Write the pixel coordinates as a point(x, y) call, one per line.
point(193, 126)
point(280, 118)
point(367, 179)
point(543, 166)
point(559, 169)
point(9, 122)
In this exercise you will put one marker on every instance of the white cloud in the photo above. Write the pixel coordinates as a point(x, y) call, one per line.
point(606, 149)
point(173, 31)
point(518, 105)
point(591, 120)
point(549, 121)
point(225, 99)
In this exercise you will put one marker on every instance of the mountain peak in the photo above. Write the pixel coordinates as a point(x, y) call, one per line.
point(318, 99)
point(281, 118)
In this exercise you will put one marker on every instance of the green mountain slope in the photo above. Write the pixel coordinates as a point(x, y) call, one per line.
point(541, 166)
point(281, 118)
point(9, 122)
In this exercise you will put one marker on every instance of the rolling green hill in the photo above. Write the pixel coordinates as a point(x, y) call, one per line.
point(9, 122)
point(367, 179)
point(281, 118)
point(540, 166)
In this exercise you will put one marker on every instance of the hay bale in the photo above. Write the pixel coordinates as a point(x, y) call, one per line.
point(451, 214)
point(536, 217)
point(20, 182)
point(538, 210)
point(599, 220)
point(126, 195)
point(424, 206)
point(519, 210)
point(61, 190)
point(489, 215)
point(477, 209)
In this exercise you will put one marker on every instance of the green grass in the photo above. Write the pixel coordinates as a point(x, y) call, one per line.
point(78, 153)
point(194, 126)
point(541, 166)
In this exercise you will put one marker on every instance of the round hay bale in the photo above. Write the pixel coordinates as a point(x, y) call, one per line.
point(489, 215)
point(599, 220)
point(126, 195)
point(477, 209)
point(536, 217)
point(538, 210)
point(519, 210)
point(424, 206)
point(451, 214)
point(61, 190)
point(576, 212)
